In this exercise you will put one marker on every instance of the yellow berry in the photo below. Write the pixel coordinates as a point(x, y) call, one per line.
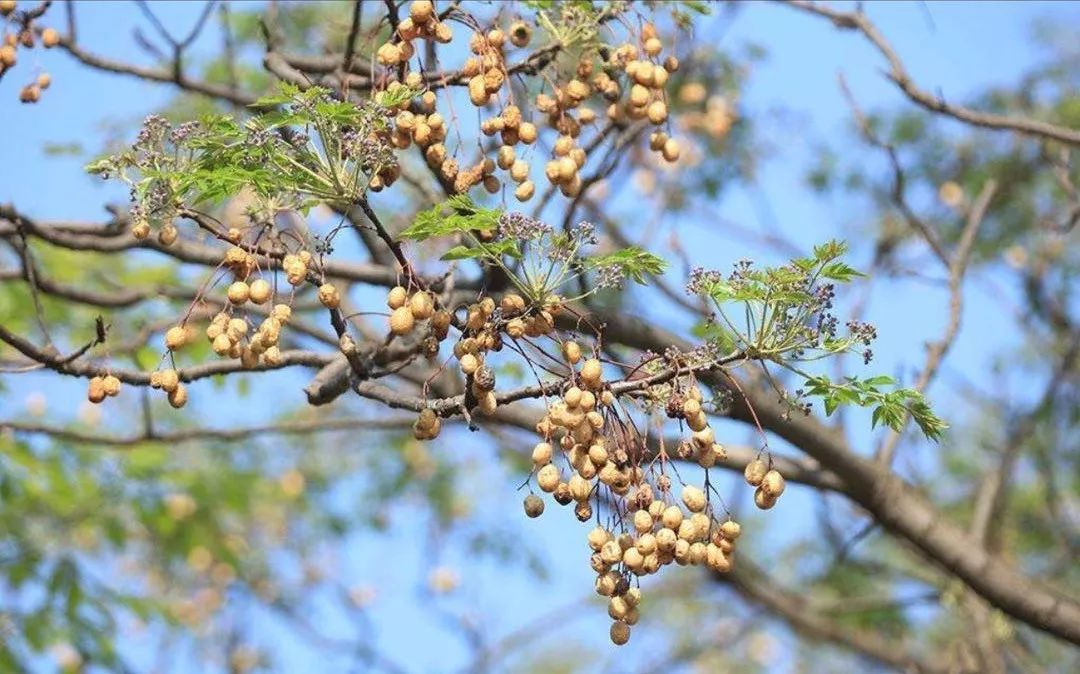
point(397, 297)
point(421, 11)
point(175, 337)
point(541, 454)
point(730, 530)
point(95, 391)
point(525, 191)
point(547, 478)
point(260, 291)
point(170, 379)
point(591, 372)
point(694, 499)
point(755, 472)
point(329, 296)
point(238, 292)
point(178, 396)
point(763, 500)
point(50, 37)
point(773, 483)
point(401, 321)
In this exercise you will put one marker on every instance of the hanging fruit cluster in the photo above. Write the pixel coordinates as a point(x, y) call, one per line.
point(629, 80)
point(21, 33)
point(608, 464)
point(591, 456)
point(481, 332)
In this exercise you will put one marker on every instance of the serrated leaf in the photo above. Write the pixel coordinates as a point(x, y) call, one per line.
point(485, 250)
point(839, 271)
point(456, 215)
point(633, 261)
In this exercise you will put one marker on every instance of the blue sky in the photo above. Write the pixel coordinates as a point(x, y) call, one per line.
point(954, 48)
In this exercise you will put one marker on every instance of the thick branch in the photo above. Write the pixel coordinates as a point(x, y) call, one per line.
point(796, 610)
point(888, 498)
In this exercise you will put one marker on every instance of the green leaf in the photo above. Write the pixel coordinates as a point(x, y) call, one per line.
point(633, 262)
point(287, 92)
point(831, 403)
point(100, 166)
point(838, 271)
point(456, 215)
point(484, 250)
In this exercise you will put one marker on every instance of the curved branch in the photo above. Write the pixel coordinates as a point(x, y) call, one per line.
point(899, 75)
point(167, 75)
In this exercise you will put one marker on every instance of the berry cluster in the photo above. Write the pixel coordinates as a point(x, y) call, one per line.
point(611, 466)
point(629, 79)
point(102, 387)
point(24, 37)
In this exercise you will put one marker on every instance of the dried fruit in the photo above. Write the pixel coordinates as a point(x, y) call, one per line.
point(763, 500)
point(534, 505)
point(422, 306)
point(401, 321)
point(175, 337)
point(730, 530)
point(520, 33)
point(591, 372)
point(50, 38)
point(620, 633)
point(755, 472)
point(773, 484)
point(421, 11)
point(329, 296)
point(525, 191)
point(168, 234)
point(95, 391)
point(170, 380)
point(694, 499)
point(30, 94)
point(397, 297)
point(260, 291)
point(238, 292)
point(111, 385)
point(178, 396)
point(547, 478)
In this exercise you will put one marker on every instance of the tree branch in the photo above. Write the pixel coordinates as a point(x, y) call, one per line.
point(898, 74)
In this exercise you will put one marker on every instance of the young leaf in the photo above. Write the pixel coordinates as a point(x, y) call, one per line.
point(633, 262)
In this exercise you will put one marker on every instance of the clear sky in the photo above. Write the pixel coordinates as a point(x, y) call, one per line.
point(955, 48)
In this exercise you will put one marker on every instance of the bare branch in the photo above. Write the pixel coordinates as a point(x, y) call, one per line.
point(797, 611)
point(898, 74)
point(155, 74)
point(66, 365)
point(200, 434)
point(936, 352)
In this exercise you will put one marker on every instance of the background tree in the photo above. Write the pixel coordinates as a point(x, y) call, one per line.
point(364, 248)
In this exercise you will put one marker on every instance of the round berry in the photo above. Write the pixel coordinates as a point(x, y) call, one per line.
point(534, 505)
